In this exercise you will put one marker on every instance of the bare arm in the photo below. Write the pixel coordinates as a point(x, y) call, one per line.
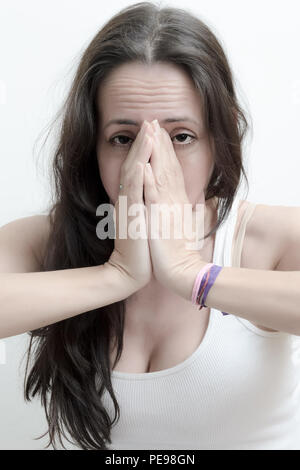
point(263, 297)
point(30, 299)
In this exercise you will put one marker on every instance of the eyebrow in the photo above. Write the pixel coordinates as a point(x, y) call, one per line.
point(130, 122)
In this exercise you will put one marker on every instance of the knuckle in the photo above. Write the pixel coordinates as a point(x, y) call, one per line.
point(161, 180)
point(128, 173)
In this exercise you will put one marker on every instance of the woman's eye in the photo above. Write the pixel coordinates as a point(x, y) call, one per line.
point(185, 136)
point(121, 137)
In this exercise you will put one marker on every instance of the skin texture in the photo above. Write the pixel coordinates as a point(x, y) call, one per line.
point(139, 92)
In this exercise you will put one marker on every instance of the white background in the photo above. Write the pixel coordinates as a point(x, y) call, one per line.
point(40, 45)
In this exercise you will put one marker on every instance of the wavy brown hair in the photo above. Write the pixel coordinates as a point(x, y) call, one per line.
point(69, 355)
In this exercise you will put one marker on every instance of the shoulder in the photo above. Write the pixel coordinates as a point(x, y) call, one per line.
point(41, 228)
point(278, 227)
point(26, 237)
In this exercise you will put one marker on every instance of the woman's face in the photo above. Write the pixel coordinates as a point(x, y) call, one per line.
point(162, 91)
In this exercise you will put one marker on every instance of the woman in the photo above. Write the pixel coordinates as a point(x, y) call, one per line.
point(123, 356)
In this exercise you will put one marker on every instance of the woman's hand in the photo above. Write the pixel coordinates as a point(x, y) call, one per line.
point(131, 256)
point(176, 262)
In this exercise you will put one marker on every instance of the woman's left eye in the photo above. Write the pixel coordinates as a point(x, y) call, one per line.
point(112, 140)
point(185, 135)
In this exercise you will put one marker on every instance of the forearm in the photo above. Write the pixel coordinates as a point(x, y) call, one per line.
point(33, 300)
point(267, 298)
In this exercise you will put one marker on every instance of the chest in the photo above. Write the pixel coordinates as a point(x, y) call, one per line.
point(171, 339)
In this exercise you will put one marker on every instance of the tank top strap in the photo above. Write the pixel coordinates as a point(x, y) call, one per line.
point(237, 249)
point(224, 237)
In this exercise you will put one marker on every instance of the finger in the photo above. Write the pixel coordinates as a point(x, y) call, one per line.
point(133, 192)
point(150, 190)
point(137, 184)
point(157, 160)
point(172, 159)
point(160, 139)
point(128, 169)
point(139, 150)
point(167, 157)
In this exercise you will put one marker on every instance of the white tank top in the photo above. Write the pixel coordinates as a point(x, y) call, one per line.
point(238, 390)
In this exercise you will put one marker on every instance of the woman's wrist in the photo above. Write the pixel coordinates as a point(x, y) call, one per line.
point(183, 282)
point(121, 283)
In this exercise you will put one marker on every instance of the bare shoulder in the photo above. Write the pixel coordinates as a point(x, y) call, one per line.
point(285, 225)
point(22, 243)
point(272, 226)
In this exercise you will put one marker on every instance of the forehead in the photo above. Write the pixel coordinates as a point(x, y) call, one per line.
point(143, 91)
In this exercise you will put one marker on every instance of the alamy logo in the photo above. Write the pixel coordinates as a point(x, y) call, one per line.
point(176, 221)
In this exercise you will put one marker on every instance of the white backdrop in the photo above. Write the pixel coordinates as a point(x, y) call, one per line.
point(40, 45)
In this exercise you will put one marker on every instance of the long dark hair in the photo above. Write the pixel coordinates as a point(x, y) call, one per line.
point(70, 354)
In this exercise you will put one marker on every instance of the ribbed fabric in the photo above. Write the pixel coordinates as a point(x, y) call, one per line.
point(238, 390)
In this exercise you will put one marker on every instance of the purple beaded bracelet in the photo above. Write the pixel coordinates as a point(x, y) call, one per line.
point(208, 280)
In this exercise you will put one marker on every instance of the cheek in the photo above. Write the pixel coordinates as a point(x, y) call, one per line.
point(196, 168)
point(109, 171)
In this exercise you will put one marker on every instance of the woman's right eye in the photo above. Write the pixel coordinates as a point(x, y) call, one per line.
point(120, 137)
